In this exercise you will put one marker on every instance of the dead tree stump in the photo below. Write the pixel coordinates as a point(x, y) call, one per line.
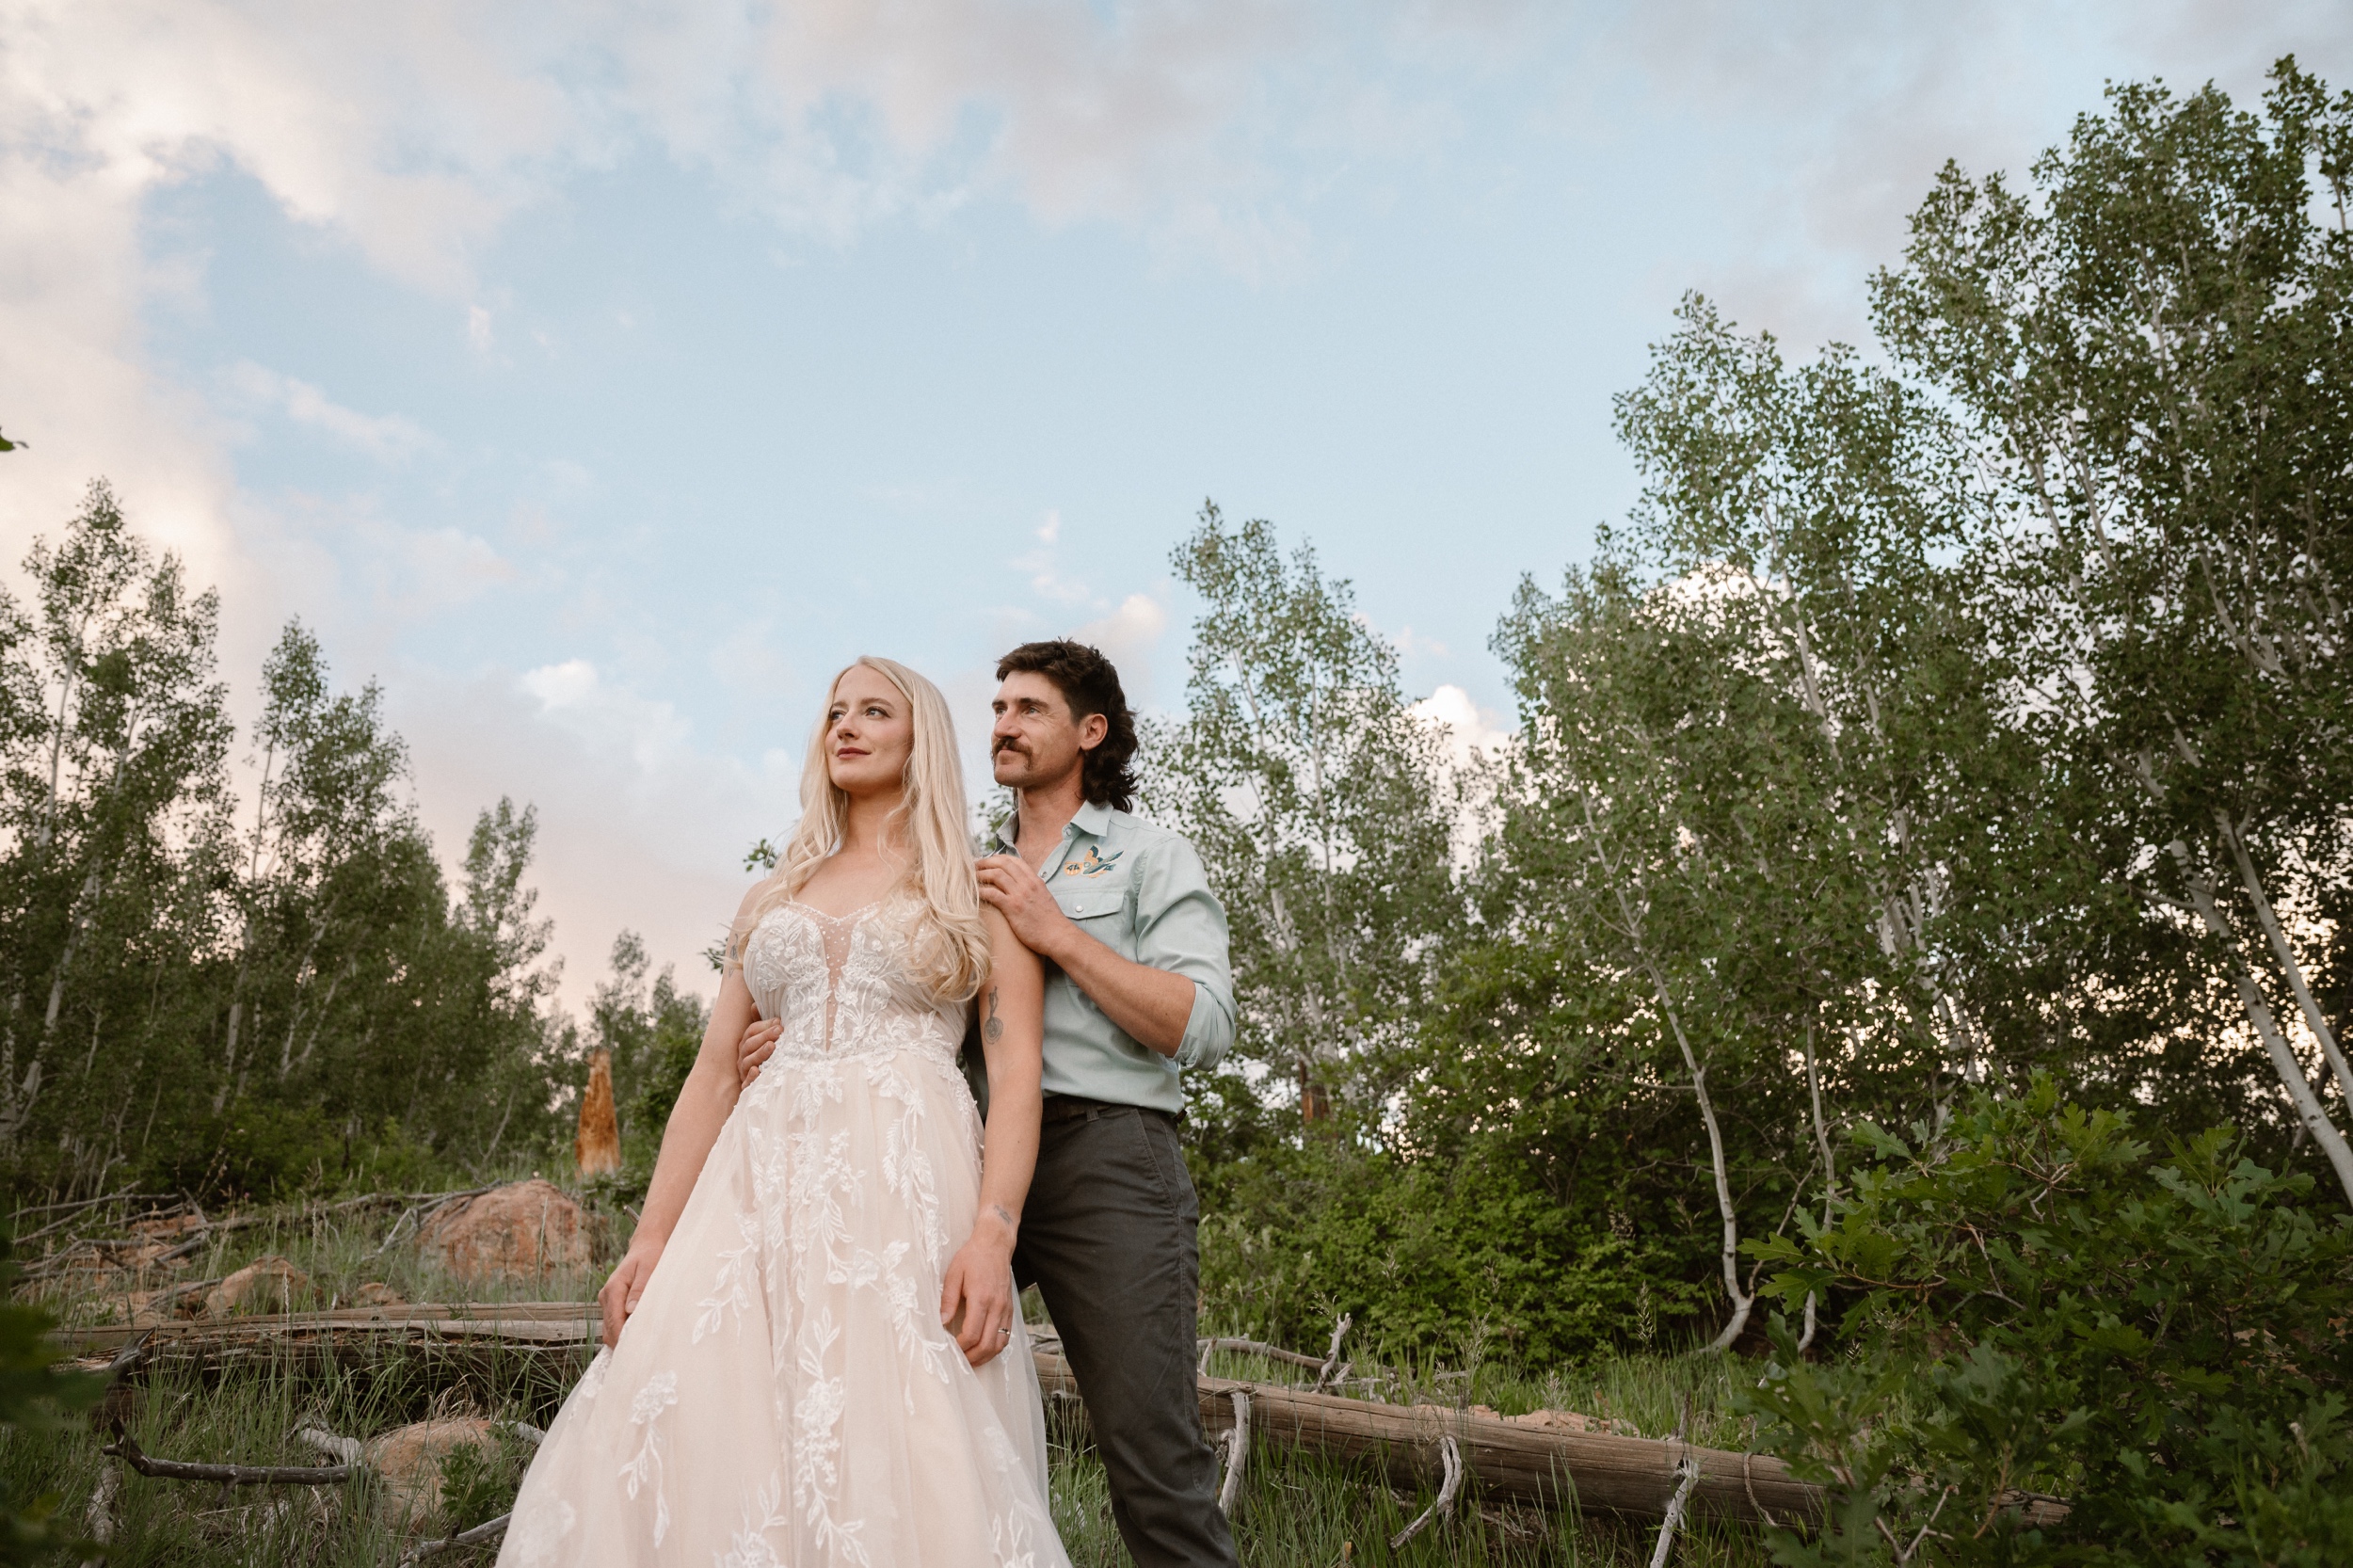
point(598, 1147)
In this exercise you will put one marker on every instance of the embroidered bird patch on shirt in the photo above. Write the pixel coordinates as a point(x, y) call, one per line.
point(1095, 864)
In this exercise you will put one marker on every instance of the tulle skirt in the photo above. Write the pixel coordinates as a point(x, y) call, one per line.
point(785, 1393)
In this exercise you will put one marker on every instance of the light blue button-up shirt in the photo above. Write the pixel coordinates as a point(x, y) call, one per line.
point(1142, 892)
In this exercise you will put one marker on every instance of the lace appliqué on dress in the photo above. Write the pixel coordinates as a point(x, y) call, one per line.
point(787, 1358)
point(659, 1395)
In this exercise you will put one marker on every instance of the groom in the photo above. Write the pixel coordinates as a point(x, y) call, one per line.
point(1134, 944)
point(1138, 987)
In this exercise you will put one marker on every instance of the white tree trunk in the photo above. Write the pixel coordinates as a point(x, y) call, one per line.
point(1830, 1166)
point(1741, 1300)
point(2286, 955)
point(2283, 1060)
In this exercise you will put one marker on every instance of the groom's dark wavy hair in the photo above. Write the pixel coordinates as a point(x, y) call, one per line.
point(1090, 684)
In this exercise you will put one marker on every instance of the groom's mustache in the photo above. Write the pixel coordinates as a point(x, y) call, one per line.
point(1006, 742)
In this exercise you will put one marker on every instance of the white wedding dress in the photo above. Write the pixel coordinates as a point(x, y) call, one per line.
point(784, 1393)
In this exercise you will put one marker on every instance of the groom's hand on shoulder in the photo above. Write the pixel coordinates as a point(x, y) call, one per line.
point(1009, 886)
point(758, 1045)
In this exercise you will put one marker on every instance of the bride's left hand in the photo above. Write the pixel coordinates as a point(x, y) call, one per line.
point(976, 1299)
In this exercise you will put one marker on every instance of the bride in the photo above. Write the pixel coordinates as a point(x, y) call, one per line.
point(812, 1351)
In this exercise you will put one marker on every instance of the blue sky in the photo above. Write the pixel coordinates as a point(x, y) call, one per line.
point(599, 377)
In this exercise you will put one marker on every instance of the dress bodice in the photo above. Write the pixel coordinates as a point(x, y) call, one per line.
point(841, 984)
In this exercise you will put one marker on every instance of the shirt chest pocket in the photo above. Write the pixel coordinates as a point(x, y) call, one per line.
point(1098, 905)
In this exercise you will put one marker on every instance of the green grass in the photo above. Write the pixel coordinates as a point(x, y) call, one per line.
point(250, 1418)
point(1296, 1512)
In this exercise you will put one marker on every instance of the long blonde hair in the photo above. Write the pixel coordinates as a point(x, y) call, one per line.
point(948, 948)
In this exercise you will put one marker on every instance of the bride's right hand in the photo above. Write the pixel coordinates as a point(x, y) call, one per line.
point(619, 1298)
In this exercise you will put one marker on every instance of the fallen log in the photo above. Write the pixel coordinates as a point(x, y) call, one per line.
point(554, 1334)
point(553, 1323)
point(1633, 1476)
point(1259, 1348)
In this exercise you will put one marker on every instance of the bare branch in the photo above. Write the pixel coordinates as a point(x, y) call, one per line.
point(1452, 1454)
point(1688, 1469)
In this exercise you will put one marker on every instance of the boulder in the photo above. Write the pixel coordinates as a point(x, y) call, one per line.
point(598, 1147)
point(525, 1227)
point(377, 1293)
point(268, 1284)
point(409, 1461)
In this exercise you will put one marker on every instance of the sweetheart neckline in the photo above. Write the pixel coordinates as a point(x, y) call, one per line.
point(837, 920)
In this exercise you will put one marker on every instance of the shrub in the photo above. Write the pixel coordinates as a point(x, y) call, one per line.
point(2031, 1306)
point(1427, 1254)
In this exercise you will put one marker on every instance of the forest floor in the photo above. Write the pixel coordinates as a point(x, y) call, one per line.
point(1296, 1511)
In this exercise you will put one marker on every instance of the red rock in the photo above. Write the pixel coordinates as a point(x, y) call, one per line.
point(525, 1227)
point(410, 1459)
point(265, 1285)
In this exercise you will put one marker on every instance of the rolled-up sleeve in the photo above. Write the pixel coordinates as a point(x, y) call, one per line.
point(1181, 927)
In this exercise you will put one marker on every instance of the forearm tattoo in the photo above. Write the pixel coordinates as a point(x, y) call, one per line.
point(1003, 1214)
point(992, 1031)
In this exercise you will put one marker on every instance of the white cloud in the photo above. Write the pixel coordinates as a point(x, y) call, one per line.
point(390, 438)
point(1129, 636)
point(570, 684)
point(576, 698)
point(410, 134)
point(1474, 733)
point(1047, 581)
point(1043, 566)
point(341, 565)
point(1845, 113)
point(1475, 738)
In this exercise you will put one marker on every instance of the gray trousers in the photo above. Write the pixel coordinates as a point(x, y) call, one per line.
point(1108, 1238)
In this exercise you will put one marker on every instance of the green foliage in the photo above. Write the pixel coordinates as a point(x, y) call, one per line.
point(479, 1482)
point(1941, 716)
point(1316, 802)
point(653, 1033)
point(2146, 355)
point(232, 998)
point(1428, 1256)
point(2033, 1306)
point(36, 1398)
point(250, 1418)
